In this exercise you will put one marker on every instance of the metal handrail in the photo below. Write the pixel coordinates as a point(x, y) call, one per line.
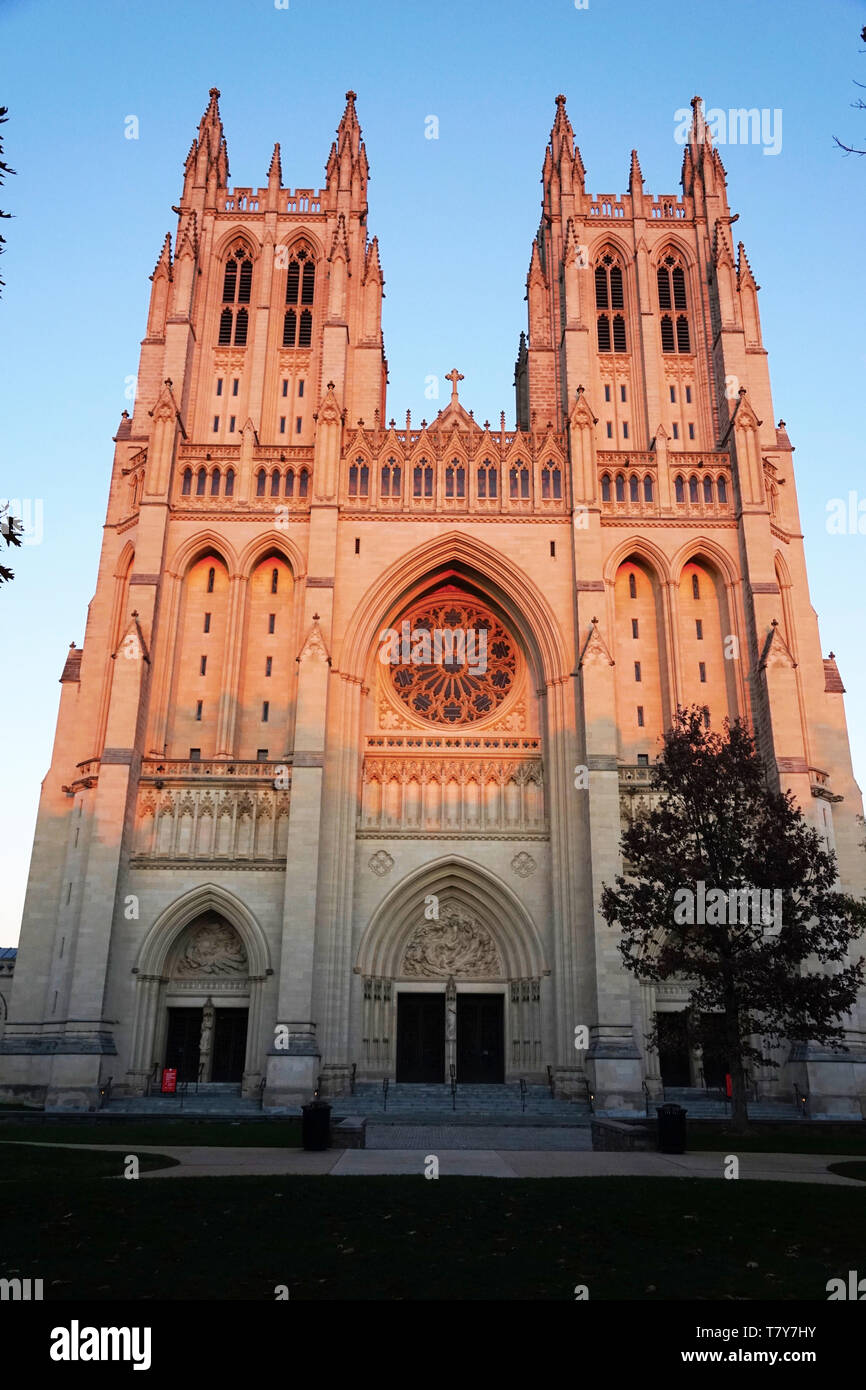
point(801, 1102)
point(105, 1092)
point(385, 1084)
point(551, 1083)
point(589, 1096)
point(453, 1074)
point(262, 1084)
point(522, 1094)
point(646, 1091)
point(352, 1078)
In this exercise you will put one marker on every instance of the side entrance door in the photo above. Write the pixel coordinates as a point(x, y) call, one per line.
point(182, 1042)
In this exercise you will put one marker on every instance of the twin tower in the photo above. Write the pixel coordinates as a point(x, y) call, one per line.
point(265, 855)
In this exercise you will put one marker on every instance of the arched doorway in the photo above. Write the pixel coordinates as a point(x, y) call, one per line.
point(207, 1001)
point(454, 981)
point(198, 1000)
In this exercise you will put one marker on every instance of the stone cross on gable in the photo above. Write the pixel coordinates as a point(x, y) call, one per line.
point(454, 376)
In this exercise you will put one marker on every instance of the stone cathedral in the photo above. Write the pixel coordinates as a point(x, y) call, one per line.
point(363, 704)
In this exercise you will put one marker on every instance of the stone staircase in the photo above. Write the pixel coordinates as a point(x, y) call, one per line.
point(705, 1105)
point(213, 1098)
point(432, 1104)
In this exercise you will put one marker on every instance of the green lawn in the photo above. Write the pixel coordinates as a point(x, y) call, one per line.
point(24, 1164)
point(409, 1238)
point(849, 1170)
point(806, 1138)
point(271, 1134)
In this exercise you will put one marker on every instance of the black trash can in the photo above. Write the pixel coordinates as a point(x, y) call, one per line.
point(671, 1128)
point(316, 1125)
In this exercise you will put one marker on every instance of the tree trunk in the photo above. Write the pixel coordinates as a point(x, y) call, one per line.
point(739, 1106)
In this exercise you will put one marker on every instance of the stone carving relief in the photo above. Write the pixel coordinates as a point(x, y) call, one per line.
point(381, 863)
point(212, 948)
point(523, 864)
point(455, 945)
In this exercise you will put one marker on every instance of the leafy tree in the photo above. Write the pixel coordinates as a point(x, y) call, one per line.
point(858, 106)
point(10, 532)
point(717, 824)
point(4, 170)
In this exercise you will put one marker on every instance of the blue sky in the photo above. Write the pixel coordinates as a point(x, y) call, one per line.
point(455, 218)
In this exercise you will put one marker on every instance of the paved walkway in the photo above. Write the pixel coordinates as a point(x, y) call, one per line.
point(196, 1162)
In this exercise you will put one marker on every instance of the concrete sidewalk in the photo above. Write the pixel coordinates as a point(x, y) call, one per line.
point(197, 1162)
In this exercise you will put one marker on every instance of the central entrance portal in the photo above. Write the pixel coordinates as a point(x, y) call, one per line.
point(421, 1037)
point(480, 1039)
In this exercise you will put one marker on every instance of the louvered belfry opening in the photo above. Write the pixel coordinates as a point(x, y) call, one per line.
point(300, 291)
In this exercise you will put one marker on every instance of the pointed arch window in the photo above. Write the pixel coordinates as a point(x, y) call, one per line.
point(303, 482)
point(647, 488)
point(708, 489)
point(605, 488)
point(551, 481)
point(215, 483)
point(300, 291)
point(696, 585)
point(671, 277)
point(519, 482)
point(275, 482)
point(693, 489)
point(186, 489)
point(680, 489)
point(633, 495)
point(390, 479)
point(610, 296)
point(620, 488)
point(230, 482)
point(422, 480)
point(455, 479)
point(359, 479)
point(487, 480)
point(261, 480)
point(201, 482)
point(632, 585)
point(289, 485)
point(722, 488)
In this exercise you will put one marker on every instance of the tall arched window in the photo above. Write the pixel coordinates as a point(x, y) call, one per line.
point(672, 296)
point(215, 483)
point(693, 489)
point(605, 488)
point(647, 488)
point(237, 291)
point(187, 482)
point(261, 480)
point(200, 482)
point(609, 296)
point(679, 489)
point(300, 291)
point(722, 487)
point(633, 489)
point(230, 482)
point(708, 489)
point(620, 488)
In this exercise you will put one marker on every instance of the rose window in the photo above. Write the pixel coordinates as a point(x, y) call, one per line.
point(452, 662)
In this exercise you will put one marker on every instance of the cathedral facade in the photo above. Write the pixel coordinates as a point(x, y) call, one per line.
point(363, 704)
